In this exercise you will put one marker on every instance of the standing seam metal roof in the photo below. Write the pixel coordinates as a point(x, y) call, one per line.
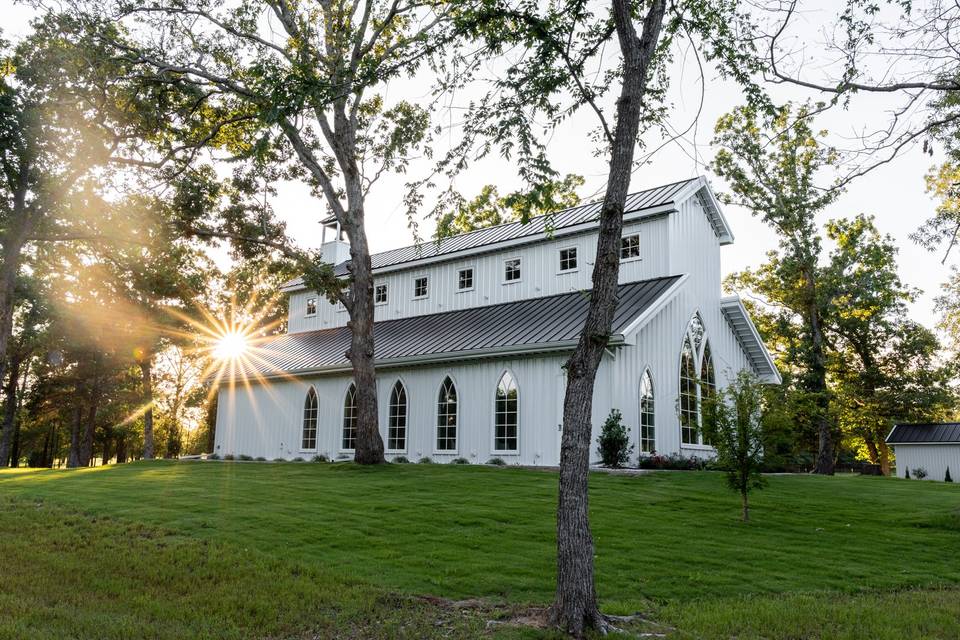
point(947, 433)
point(529, 324)
point(648, 199)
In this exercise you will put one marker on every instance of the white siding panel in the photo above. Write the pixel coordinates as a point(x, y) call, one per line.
point(934, 458)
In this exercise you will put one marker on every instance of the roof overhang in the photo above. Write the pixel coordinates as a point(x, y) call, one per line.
point(701, 189)
point(749, 338)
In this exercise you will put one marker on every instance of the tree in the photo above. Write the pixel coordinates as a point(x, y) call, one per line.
point(302, 102)
point(735, 423)
point(772, 162)
point(561, 72)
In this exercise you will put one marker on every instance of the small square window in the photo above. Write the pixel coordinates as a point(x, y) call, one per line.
point(420, 287)
point(630, 247)
point(465, 279)
point(345, 295)
point(568, 259)
point(511, 270)
point(380, 294)
point(311, 306)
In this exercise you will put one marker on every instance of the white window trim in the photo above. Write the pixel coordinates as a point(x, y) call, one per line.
point(560, 270)
point(340, 449)
point(427, 294)
point(307, 314)
point(387, 301)
point(456, 450)
point(494, 452)
point(316, 437)
point(406, 426)
point(503, 270)
point(473, 279)
point(636, 258)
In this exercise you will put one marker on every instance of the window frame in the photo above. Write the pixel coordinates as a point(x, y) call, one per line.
point(651, 428)
point(496, 389)
point(406, 417)
point(626, 238)
point(456, 415)
point(307, 313)
point(426, 279)
point(576, 259)
point(386, 294)
point(473, 279)
point(519, 278)
point(696, 336)
point(343, 418)
point(311, 393)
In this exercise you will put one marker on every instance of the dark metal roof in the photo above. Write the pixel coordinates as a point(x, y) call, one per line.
point(536, 324)
point(648, 199)
point(946, 432)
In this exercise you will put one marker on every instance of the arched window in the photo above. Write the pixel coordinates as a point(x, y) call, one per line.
point(348, 438)
point(447, 416)
point(310, 405)
point(507, 414)
point(397, 423)
point(648, 435)
point(697, 380)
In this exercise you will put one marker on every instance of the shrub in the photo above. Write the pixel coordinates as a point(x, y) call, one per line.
point(906, 474)
point(614, 441)
point(298, 459)
point(260, 459)
point(425, 460)
point(244, 457)
point(947, 477)
point(279, 459)
point(674, 461)
point(229, 456)
point(320, 458)
point(344, 456)
point(459, 461)
point(213, 456)
point(400, 460)
point(919, 473)
point(497, 462)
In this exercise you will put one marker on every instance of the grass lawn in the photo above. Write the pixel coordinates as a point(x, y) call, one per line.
point(238, 550)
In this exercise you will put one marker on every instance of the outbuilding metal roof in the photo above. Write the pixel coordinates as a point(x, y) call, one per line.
point(946, 432)
point(532, 325)
point(661, 196)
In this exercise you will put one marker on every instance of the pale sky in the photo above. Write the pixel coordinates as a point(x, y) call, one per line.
point(894, 193)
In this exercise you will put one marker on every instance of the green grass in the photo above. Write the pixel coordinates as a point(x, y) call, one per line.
point(823, 557)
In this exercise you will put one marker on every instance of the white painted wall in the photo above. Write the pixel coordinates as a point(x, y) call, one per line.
point(935, 458)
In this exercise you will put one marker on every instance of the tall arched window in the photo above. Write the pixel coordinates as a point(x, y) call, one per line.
point(648, 435)
point(308, 439)
point(697, 380)
point(447, 416)
point(348, 438)
point(397, 423)
point(507, 414)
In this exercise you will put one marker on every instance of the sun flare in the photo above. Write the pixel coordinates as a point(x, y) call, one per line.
point(230, 346)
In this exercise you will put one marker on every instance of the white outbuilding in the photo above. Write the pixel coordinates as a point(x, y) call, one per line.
point(926, 451)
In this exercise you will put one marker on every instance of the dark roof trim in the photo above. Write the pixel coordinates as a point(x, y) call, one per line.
point(929, 433)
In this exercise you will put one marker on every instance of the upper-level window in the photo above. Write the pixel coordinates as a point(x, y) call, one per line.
point(311, 306)
point(465, 279)
point(420, 287)
point(511, 270)
point(380, 294)
point(308, 438)
point(397, 422)
point(506, 414)
point(630, 246)
point(568, 259)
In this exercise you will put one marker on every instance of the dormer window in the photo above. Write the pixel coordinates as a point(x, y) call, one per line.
point(511, 270)
point(311, 306)
point(630, 247)
point(380, 294)
point(465, 279)
point(420, 287)
point(568, 259)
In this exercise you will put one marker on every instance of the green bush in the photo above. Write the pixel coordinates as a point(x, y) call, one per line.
point(425, 460)
point(298, 459)
point(400, 460)
point(919, 473)
point(614, 441)
point(213, 456)
point(229, 456)
point(459, 461)
point(320, 458)
point(947, 477)
point(260, 459)
point(245, 457)
point(906, 474)
point(674, 461)
point(279, 459)
point(497, 462)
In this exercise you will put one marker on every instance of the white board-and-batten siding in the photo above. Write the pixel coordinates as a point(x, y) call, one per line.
point(934, 458)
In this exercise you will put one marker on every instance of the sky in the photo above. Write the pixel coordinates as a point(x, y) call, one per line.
point(894, 193)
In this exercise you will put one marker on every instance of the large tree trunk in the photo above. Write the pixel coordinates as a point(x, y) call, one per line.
point(121, 448)
point(824, 464)
point(73, 458)
point(89, 432)
point(575, 605)
point(9, 408)
point(146, 381)
point(13, 240)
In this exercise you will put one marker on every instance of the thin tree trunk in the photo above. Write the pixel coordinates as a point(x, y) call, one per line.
point(746, 507)
point(9, 408)
point(146, 381)
point(89, 432)
point(21, 391)
point(73, 458)
point(121, 448)
point(13, 241)
point(824, 464)
point(575, 605)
